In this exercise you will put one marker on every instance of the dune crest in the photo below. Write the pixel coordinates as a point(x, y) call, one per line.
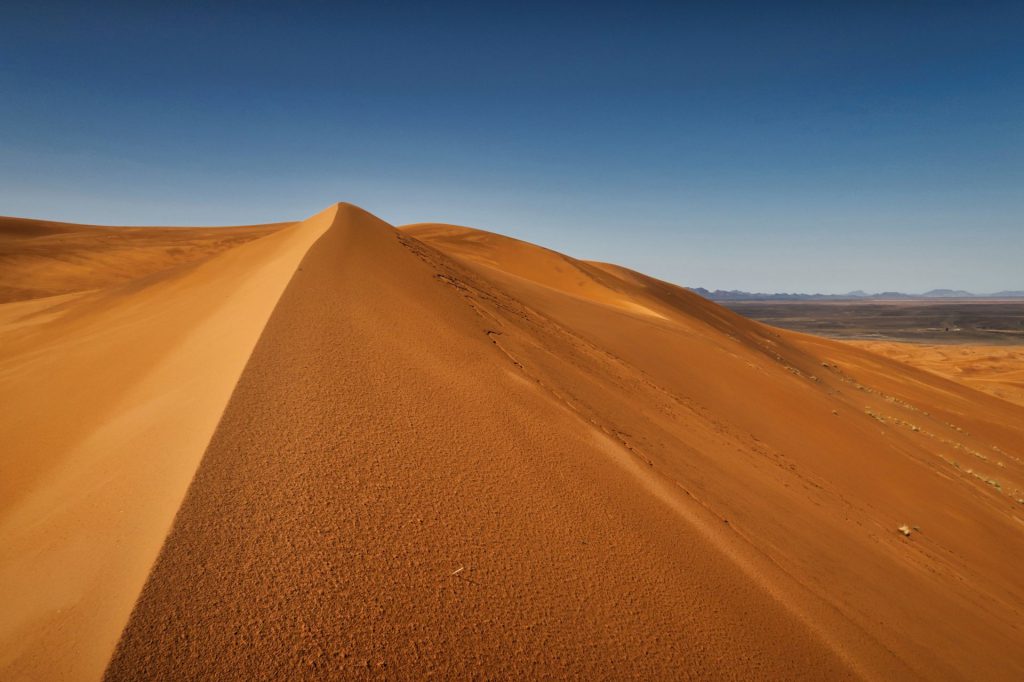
point(453, 453)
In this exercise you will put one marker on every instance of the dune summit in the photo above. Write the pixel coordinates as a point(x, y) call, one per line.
point(335, 448)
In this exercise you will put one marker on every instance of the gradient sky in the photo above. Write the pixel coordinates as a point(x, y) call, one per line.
point(760, 146)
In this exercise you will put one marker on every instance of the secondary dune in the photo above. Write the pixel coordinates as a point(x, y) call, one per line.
point(42, 258)
point(455, 454)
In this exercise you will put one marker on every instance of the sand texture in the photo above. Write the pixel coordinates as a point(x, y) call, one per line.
point(340, 449)
point(998, 370)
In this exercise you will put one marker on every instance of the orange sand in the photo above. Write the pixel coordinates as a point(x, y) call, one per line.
point(451, 453)
point(998, 370)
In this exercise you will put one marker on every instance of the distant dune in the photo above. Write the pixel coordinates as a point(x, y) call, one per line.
point(998, 370)
point(40, 258)
point(335, 448)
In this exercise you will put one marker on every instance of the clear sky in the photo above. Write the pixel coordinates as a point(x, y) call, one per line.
point(761, 146)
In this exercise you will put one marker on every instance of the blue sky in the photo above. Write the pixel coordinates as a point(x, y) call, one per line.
point(760, 146)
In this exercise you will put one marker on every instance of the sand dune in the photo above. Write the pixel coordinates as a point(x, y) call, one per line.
point(452, 453)
point(998, 370)
point(40, 258)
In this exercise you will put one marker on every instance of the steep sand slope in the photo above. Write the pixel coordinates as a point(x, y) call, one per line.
point(109, 399)
point(41, 258)
point(814, 451)
point(998, 370)
point(389, 493)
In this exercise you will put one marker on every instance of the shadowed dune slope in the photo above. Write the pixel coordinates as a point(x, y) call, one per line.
point(453, 453)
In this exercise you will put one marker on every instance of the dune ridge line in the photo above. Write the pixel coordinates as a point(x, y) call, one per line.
point(135, 379)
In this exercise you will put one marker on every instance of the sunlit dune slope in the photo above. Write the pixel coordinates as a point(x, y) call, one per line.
point(450, 453)
point(535, 263)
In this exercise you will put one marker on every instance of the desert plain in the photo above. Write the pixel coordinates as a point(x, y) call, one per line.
point(337, 448)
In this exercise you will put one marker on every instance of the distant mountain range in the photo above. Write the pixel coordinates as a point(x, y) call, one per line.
point(720, 295)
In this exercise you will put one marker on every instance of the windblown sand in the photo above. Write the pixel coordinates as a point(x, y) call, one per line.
point(338, 449)
point(998, 370)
